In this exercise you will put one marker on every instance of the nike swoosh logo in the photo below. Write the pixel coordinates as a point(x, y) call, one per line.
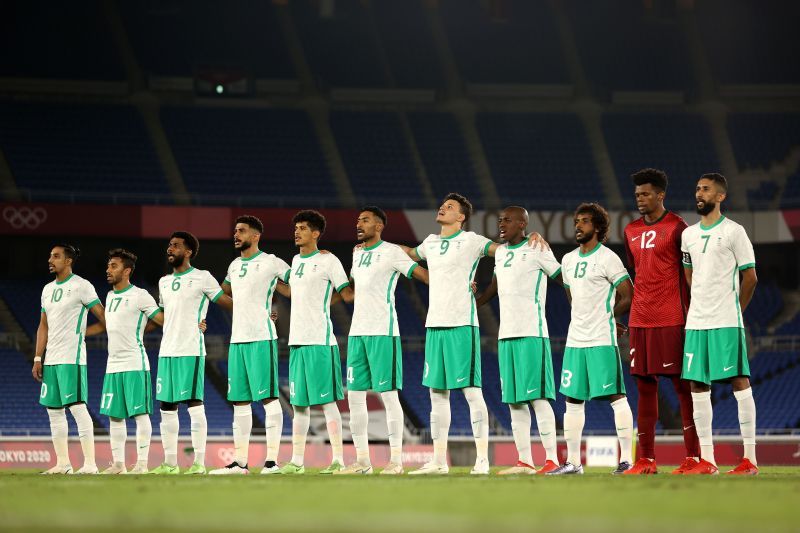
point(383, 382)
point(633, 239)
point(323, 395)
point(665, 365)
point(607, 386)
point(135, 408)
point(184, 392)
point(545, 434)
point(688, 427)
point(727, 368)
point(532, 390)
point(459, 380)
point(640, 434)
point(263, 391)
point(68, 395)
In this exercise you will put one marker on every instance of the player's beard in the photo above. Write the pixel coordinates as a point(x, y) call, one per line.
point(244, 246)
point(583, 240)
point(706, 209)
point(177, 261)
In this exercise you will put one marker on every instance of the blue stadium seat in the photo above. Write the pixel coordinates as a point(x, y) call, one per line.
point(20, 412)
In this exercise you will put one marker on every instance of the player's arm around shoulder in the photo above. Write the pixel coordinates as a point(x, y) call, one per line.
point(98, 327)
point(487, 295)
point(686, 256)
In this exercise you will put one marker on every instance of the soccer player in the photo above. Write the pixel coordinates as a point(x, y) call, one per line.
point(658, 315)
point(184, 297)
point(127, 388)
point(374, 355)
point(315, 374)
point(253, 353)
point(716, 253)
point(62, 370)
point(526, 365)
point(599, 289)
point(452, 341)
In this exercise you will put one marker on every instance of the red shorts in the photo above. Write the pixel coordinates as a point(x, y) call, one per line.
point(656, 351)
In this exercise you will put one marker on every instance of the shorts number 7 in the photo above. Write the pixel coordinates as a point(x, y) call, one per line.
point(689, 355)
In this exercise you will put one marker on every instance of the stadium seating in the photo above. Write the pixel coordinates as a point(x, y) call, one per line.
point(81, 152)
point(20, 412)
point(270, 156)
point(792, 327)
point(539, 160)
point(679, 144)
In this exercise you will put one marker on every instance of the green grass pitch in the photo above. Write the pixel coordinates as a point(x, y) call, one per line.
point(458, 502)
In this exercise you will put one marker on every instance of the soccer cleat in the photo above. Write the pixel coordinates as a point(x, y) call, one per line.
point(115, 468)
point(165, 469)
point(430, 469)
point(566, 469)
point(687, 464)
point(335, 467)
point(291, 468)
point(481, 468)
point(623, 467)
point(392, 469)
point(137, 469)
point(549, 466)
point(232, 469)
point(88, 470)
point(58, 470)
point(745, 468)
point(196, 468)
point(355, 468)
point(519, 469)
point(703, 468)
point(270, 467)
point(643, 466)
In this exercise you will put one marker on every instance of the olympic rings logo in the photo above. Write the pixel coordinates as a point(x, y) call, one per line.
point(25, 217)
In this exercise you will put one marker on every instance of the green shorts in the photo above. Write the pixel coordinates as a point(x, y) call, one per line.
point(63, 385)
point(452, 358)
point(714, 355)
point(374, 362)
point(590, 373)
point(526, 369)
point(315, 375)
point(252, 371)
point(180, 379)
point(127, 394)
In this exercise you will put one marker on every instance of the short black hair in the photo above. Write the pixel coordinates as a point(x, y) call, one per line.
point(600, 218)
point(377, 211)
point(189, 240)
point(70, 251)
point(128, 258)
point(653, 176)
point(466, 205)
point(314, 219)
point(252, 221)
point(717, 178)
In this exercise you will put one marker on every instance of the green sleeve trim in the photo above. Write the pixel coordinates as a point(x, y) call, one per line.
point(687, 265)
point(217, 296)
point(620, 280)
point(226, 280)
point(747, 266)
point(486, 248)
point(286, 276)
point(566, 286)
point(555, 274)
point(342, 286)
point(92, 303)
point(154, 313)
point(43, 311)
point(411, 269)
point(416, 251)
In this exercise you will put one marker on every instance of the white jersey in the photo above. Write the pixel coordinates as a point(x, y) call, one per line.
point(66, 304)
point(253, 282)
point(184, 297)
point(452, 262)
point(313, 279)
point(127, 313)
point(592, 280)
point(375, 272)
point(522, 273)
point(716, 255)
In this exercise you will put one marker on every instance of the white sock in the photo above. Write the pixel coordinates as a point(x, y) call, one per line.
point(300, 423)
point(273, 420)
point(574, 419)
point(359, 420)
point(747, 421)
point(546, 422)
point(144, 432)
point(440, 424)
point(197, 414)
point(623, 421)
point(85, 432)
point(169, 436)
point(479, 416)
point(59, 431)
point(118, 434)
point(242, 427)
point(521, 429)
point(333, 419)
point(395, 424)
point(703, 416)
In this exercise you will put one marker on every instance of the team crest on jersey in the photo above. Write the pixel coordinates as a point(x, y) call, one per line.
point(315, 268)
point(458, 245)
point(524, 256)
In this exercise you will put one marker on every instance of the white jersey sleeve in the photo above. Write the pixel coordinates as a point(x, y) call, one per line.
point(336, 274)
point(211, 287)
point(742, 248)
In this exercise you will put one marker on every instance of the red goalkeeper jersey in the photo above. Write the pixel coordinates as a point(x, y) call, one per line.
point(660, 292)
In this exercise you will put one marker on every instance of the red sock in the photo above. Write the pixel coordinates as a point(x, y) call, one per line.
point(647, 415)
point(690, 440)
